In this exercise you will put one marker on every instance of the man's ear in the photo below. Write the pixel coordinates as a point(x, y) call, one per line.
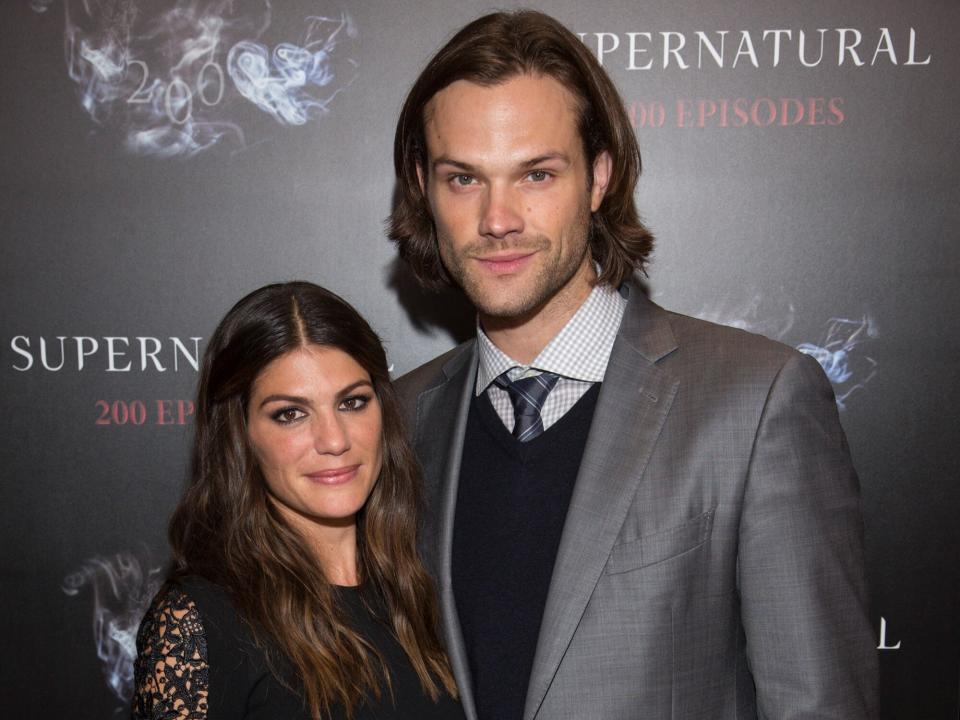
point(602, 168)
point(421, 179)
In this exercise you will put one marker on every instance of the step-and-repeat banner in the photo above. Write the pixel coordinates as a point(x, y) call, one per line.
point(161, 158)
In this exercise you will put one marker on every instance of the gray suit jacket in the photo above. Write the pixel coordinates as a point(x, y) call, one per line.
point(711, 563)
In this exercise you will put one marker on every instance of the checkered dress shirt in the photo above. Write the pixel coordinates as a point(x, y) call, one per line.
point(578, 354)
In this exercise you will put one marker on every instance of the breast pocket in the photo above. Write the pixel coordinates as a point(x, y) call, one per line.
point(660, 546)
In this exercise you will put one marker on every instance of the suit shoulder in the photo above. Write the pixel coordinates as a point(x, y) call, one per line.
point(720, 362)
point(714, 348)
point(412, 383)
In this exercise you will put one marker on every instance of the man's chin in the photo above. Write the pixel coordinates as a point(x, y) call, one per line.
point(516, 297)
point(505, 308)
point(503, 312)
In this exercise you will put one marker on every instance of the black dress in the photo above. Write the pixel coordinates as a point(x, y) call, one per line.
point(196, 660)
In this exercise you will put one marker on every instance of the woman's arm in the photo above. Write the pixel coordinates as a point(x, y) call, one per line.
point(171, 675)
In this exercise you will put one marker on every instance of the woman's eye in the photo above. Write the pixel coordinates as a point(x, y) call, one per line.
point(285, 416)
point(354, 402)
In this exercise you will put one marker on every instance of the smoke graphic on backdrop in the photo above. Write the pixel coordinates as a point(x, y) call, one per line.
point(840, 352)
point(848, 368)
point(763, 316)
point(122, 588)
point(177, 81)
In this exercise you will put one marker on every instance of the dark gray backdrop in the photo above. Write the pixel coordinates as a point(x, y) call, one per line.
point(159, 159)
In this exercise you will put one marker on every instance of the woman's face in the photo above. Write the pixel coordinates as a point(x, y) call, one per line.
point(314, 423)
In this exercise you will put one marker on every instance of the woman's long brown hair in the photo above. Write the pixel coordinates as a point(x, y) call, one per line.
point(227, 529)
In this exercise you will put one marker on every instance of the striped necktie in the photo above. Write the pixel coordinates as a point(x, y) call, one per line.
point(528, 395)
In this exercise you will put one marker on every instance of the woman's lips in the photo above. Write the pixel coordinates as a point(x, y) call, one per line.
point(334, 476)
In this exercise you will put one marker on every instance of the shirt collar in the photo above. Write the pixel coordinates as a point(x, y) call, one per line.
point(580, 351)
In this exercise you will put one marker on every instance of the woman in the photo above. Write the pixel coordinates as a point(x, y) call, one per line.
point(296, 590)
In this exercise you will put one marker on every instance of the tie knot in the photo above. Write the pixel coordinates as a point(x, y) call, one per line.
point(528, 396)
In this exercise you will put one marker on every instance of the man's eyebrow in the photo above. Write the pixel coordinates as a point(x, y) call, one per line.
point(546, 157)
point(532, 162)
point(460, 165)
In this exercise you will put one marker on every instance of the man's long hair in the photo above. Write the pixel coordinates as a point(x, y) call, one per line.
point(489, 51)
point(228, 530)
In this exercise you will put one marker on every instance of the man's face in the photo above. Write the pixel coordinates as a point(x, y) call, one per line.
point(508, 188)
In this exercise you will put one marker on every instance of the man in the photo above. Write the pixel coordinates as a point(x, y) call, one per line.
point(631, 513)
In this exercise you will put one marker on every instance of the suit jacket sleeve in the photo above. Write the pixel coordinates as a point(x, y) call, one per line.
point(800, 568)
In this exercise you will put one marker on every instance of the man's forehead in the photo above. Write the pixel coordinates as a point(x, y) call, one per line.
point(525, 82)
point(535, 112)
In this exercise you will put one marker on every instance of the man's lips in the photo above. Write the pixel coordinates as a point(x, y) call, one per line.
point(334, 476)
point(507, 262)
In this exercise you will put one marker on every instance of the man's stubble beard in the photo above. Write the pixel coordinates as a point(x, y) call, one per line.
point(550, 279)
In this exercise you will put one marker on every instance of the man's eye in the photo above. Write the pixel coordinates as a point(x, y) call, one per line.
point(538, 175)
point(354, 402)
point(287, 415)
point(463, 180)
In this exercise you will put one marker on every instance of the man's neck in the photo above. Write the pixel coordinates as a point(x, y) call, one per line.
point(523, 337)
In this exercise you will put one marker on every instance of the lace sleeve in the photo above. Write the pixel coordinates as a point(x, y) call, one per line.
point(171, 675)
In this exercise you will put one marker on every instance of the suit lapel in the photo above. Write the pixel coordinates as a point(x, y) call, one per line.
point(441, 424)
point(634, 401)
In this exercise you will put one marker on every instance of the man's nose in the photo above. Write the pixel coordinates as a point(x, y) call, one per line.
point(501, 214)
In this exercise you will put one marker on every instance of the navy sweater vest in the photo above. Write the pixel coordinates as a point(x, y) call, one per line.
point(511, 505)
